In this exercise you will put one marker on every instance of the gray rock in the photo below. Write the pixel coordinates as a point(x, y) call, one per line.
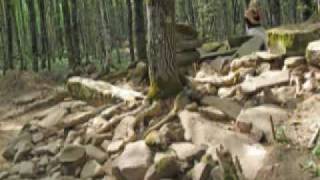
point(213, 113)
point(313, 53)
point(4, 175)
point(17, 144)
point(259, 117)
point(134, 161)
point(72, 153)
point(295, 61)
point(228, 106)
point(37, 137)
point(264, 80)
point(105, 145)
point(268, 56)
point(115, 146)
point(91, 169)
point(200, 131)
point(27, 169)
point(188, 151)
point(52, 148)
point(96, 153)
point(23, 149)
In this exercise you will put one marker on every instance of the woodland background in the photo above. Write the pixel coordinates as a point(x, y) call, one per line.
point(59, 35)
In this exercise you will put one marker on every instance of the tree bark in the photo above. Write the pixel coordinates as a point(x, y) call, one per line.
point(164, 78)
point(106, 34)
point(140, 31)
point(33, 30)
point(68, 31)
point(307, 9)
point(275, 8)
point(75, 33)
point(9, 58)
point(130, 31)
point(44, 36)
point(18, 39)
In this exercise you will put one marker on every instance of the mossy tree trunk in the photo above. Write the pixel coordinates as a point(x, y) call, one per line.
point(163, 73)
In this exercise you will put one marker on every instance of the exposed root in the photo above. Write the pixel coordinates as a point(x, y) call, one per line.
point(180, 102)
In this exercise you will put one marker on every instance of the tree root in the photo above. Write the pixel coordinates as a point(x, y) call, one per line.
point(180, 102)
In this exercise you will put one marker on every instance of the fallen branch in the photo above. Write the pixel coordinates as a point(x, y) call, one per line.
point(273, 129)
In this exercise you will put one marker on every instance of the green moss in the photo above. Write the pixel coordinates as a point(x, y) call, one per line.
point(153, 139)
point(164, 163)
point(292, 40)
point(211, 46)
point(160, 89)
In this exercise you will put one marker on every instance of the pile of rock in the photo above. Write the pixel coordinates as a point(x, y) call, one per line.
point(129, 139)
point(187, 44)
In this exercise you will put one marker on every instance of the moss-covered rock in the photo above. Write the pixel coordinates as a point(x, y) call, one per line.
point(292, 40)
point(212, 46)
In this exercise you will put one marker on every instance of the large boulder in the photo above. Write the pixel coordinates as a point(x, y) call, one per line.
point(134, 162)
point(313, 53)
point(292, 40)
point(201, 131)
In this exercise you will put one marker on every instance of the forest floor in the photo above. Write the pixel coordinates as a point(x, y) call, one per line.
point(17, 91)
point(273, 130)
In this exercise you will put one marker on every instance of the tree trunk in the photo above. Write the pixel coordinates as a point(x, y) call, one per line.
point(307, 9)
point(44, 35)
point(33, 30)
point(275, 8)
point(68, 35)
point(130, 32)
point(2, 34)
point(106, 34)
point(18, 39)
point(9, 58)
point(75, 32)
point(163, 74)
point(140, 31)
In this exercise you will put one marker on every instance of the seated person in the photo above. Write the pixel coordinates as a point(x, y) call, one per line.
point(253, 22)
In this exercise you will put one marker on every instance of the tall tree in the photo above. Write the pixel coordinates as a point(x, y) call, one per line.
point(8, 12)
point(75, 32)
point(140, 32)
point(307, 9)
point(163, 74)
point(130, 31)
point(68, 34)
point(33, 31)
point(45, 60)
point(275, 8)
point(16, 28)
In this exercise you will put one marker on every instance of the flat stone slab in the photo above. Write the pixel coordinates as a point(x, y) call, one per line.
point(99, 92)
point(292, 40)
point(201, 131)
point(226, 105)
point(260, 116)
point(266, 79)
